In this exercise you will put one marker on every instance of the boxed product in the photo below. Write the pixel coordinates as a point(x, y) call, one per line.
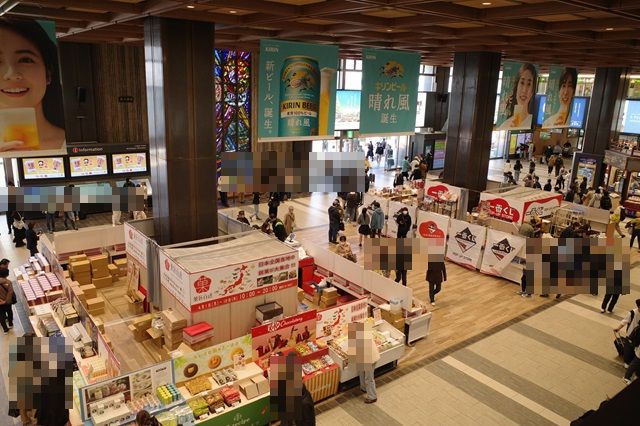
point(230, 395)
point(248, 388)
point(173, 320)
point(198, 384)
point(262, 384)
point(199, 406)
point(77, 258)
point(89, 291)
point(121, 264)
point(100, 261)
point(214, 401)
point(197, 333)
point(268, 312)
point(54, 294)
point(102, 282)
point(113, 269)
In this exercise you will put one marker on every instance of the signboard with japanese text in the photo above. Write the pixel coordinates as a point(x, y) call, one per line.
point(212, 358)
point(389, 101)
point(432, 225)
point(333, 322)
point(297, 91)
point(174, 279)
point(504, 255)
point(279, 335)
point(135, 243)
point(217, 287)
point(464, 246)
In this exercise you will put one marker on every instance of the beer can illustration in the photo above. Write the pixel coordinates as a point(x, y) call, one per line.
point(299, 97)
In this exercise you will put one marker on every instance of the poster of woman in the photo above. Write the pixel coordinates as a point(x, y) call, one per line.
point(31, 109)
point(560, 92)
point(519, 82)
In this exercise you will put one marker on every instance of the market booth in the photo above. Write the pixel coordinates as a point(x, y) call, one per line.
point(518, 204)
point(621, 178)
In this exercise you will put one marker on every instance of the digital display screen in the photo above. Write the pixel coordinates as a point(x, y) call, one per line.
point(631, 120)
point(347, 110)
point(88, 165)
point(579, 107)
point(43, 168)
point(134, 162)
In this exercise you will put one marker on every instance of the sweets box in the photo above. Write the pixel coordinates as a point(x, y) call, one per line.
point(197, 332)
point(268, 311)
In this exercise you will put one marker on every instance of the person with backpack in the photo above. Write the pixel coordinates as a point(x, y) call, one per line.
point(634, 224)
point(377, 221)
point(605, 201)
point(634, 338)
point(558, 164)
point(631, 321)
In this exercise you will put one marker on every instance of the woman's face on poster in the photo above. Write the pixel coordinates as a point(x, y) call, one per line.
point(524, 92)
point(23, 72)
point(566, 90)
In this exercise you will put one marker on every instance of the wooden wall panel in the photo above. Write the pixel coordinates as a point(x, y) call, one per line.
point(119, 70)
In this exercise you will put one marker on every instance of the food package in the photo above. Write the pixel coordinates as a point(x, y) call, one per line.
point(89, 291)
point(261, 383)
point(199, 406)
point(248, 388)
point(199, 384)
point(268, 311)
point(102, 282)
point(230, 395)
point(214, 401)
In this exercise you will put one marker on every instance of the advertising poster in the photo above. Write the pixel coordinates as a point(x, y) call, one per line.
point(631, 120)
point(464, 246)
point(587, 169)
point(286, 333)
point(389, 100)
point(210, 359)
point(297, 91)
point(129, 163)
point(432, 225)
point(517, 95)
point(31, 111)
point(347, 110)
point(89, 165)
point(439, 147)
point(175, 279)
point(441, 191)
point(221, 286)
point(136, 244)
point(542, 207)
point(333, 322)
point(392, 225)
point(502, 209)
point(504, 255)
point(43, 168)
point(561, 89)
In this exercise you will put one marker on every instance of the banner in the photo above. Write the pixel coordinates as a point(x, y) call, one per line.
point(392, 225)
point(297, 91)
point(438, 190)
point(348, 110)
point(174, 279)
point(465, 243)
point(542, 207)
point(432, 225)
point(561, 89)
point(389, 92)
point(504, 255)
point(333, 322)
point(501, 208)
point(135, 243)
point(519, 82)
point(31, 111)
point(43, 168)
point(286, 333)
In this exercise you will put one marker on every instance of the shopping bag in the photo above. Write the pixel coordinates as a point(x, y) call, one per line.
point(372, 177)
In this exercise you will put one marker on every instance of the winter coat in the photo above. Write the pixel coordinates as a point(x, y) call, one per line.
point(377, 219)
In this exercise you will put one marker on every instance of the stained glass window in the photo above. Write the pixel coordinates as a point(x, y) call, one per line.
point(233, 101)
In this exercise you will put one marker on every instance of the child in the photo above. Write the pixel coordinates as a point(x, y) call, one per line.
point(344, 249)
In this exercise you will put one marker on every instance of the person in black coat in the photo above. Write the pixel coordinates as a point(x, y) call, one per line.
point(274, 203)
point(19, 234)
point(278, 228)
point(32, 239)
point(404, 222)
point(436, 274)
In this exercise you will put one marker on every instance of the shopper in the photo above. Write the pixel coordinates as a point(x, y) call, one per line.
point(406, 166)
point(344, 249)
point(290, 220)
point(609, 302)
point(69, 216)
point(605, 201)
point(547, 186)
point(143, 418)
point(334, 222)
point(51, 221)
point(528, 181)
point(6, 300)
point(4, 264)
point(526, 229)
point(631, 320)
point(416, 174)
point(532, 167)
point(589, 200)
point(256, 205)
point(377, 221)
point(583, 186)
point(401, 274)
point(634, 225)
point(536, 183)
point(517, 168)
point(353, 200)
point(19, 231)
point(278, 228)
point(547, 154)
point(561, 178)
point(363, 353)
point(570, 231)
point(242, 218)
point(523, 286)
point(615, 218)
point(398, 180)
point(532, 150)
point(558, 164)
point(273, 204)
point(32, 239)
point(506, 169)
point(116, 215)
point(369, 151)
point(436, 274)
point(634, 366)
point(550, 163)
point(403, 220)
point(364, 228)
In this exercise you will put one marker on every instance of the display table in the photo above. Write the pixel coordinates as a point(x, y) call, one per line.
point(395, 351)
point(250, 370)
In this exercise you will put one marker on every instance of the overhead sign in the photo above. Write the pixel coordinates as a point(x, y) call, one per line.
point(297, 91)
point(519, 82)
point(388, 105)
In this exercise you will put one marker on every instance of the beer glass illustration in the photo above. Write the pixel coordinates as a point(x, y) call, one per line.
point(326, 80)
point(19, 124)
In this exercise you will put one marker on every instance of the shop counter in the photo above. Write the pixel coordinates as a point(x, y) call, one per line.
point(391, 354)
point(250, 412)
point(323, 383)
point(250, 370)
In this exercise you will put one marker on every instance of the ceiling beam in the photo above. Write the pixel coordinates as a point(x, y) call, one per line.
point(101, 6)
point(44, 12)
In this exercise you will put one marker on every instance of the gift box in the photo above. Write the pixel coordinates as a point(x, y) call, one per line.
point(268, 311)
point(197, 332)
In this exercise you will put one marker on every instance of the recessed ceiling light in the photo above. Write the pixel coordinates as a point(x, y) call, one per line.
point(389, 30)
point(233, 11)
point(608, 29)
point(486, 3)
point(190, 6)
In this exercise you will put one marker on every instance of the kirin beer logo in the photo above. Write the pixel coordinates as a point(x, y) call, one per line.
point(429, 229)
point(501, 248)
point(437, 191)
point(500, 208)
point(202, 284)
point(465, 239)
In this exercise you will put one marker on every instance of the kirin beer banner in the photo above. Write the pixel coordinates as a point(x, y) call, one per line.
point(389, 92)
point(560, 91)
point(519, 82)
point(297, 91)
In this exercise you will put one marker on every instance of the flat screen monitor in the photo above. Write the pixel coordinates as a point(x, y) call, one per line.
point(579, 107)
point(88, 165)
point(347, 110)
point(631, 117)
point(43, 168)
point(134, 162)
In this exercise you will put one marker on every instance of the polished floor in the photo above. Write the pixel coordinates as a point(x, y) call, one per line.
point(492, 357)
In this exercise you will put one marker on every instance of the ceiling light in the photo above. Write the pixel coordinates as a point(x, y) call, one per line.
point(608, 29)
point(190, 6)
point(389, 30)
point(233, 11)
point(486, 3)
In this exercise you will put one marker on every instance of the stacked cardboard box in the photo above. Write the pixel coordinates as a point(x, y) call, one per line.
point(172, 328)
point(198, 334)
point(89, 291)
point(139, 327)
point(100, 271)
point(113, 270)
point(95, 306)
point(396, 319)
point(328, 298)
point(121, 264)
point(80, 270)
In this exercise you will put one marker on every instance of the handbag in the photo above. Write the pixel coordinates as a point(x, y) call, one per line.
point(18, 223)
point(341, 226)
point(364, 229)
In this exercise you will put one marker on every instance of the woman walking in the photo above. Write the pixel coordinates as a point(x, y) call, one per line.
point(436, 274)
point(290, 221)
point(377, 221)
point(364, 225)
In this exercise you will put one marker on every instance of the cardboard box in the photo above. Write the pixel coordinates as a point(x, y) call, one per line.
point(173, 320)
point(261, 383)
point(399, 324)
point(330, 292)
point(113, 269)
point(65, 273)
point(391, 317)
point(53, 295)
point(99, 324)
point(248, 388)
point(138, 336)
point(80, 266)
point(77, 258)
point(100, 272)
point(99, 261)
point(143, 322)
point(89, 290)
point(95, 303)
point(102, 282)
point(300, 295)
